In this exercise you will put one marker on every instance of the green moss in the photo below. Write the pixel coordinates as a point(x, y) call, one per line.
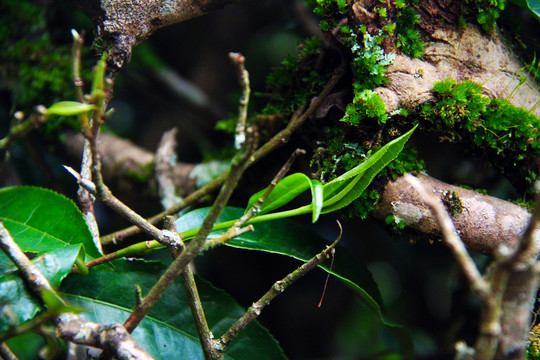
point(366, 104)
point(143, 174)
point(329, 10)
point(369, 60)
point(452, 202)
point(289, 85)
point(408, 38)
point(34, 69)
point(503, 134)
point(485, 12)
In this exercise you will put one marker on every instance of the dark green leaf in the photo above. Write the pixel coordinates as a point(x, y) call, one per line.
point(288, 238)
point(17, 305)
point(67, 108)
point(41, 221)
point(26, 346)
point(343, 190)
point(168, 332)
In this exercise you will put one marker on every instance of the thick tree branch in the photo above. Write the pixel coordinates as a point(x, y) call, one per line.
point(484, 222)
point(127, 165)
point(126, 23)
point(459, 54)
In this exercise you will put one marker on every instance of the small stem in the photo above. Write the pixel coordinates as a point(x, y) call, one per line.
point(239, 164)
point(6, 353)
point(30, 273)
point(120, 235)
point(243, 77)
point(205, 335)
point(277, 140)
point(479, 285)
point(279, 286)
point(22, 127)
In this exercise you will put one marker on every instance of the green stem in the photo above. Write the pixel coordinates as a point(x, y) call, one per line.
point(148, 246)
point(186, 235)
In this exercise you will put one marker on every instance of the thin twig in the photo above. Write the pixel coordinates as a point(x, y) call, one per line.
point(85, 200)
point(23, 126)
point(118, 236)
point(451, 238)
point(165, 161)
point(6, 353)
point(279, 286)
point(238, 165)
point(30, 273)
point(277, 140)
point(243, 77)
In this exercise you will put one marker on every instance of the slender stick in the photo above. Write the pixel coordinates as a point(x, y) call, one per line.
point(195, 304)
point(6, 353)
point(279, 286)
point(479, 285)
point(30, 273)
point(238, 165)
point(277, 140)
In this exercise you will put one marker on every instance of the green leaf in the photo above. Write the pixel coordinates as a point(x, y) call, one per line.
point(68, 108)
point(17, 305)
point(27, 346)
point(289, 238)
point(40, 220)
point(168, 331)
point(317, 203)
point(343, 190)
point(534, 7)
point(286, 190)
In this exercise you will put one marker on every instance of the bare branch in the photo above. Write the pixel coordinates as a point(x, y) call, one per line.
point(451, 238)
point(279, 286)
point(6, 353)
point(165, 162)
point(30, 273)
point(128, 23)
point(112, 338)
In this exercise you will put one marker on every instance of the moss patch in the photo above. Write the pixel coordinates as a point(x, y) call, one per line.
point(503, 134)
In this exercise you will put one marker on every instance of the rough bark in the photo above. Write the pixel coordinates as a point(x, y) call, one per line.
point(484, 222)
point(468, 54)
point(125, 23)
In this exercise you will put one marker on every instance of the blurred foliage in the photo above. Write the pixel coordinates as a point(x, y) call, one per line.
point(485, 12)
point(35, 64)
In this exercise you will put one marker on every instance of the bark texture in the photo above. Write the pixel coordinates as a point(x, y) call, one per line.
point(127, 22)
point(468, 54)
point(484, 222)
